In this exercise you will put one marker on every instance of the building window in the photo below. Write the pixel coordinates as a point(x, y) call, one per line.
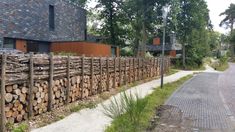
point(9, 43)
point(51, 18)
point(114, 51)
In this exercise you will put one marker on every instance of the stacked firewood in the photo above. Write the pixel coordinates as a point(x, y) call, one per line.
point(85, 77)
point(16, 102)
point(59, 92)
point(75, 92)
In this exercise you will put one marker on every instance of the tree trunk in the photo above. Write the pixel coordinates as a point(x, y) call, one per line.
point(112, 34)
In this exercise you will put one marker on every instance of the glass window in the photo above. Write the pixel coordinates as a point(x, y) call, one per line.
point(9, 43)
point(51, 18)
point(113, 50)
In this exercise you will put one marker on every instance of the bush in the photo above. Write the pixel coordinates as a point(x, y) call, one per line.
point(127, 51)
point(148, 55)
point(21, 128)
point(222, 64)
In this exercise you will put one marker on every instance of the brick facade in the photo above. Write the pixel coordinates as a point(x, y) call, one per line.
point(29, 19)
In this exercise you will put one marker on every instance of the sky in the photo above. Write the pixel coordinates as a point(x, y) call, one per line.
point(216, 7)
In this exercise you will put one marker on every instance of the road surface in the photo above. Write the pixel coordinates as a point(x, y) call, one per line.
point(206, 103)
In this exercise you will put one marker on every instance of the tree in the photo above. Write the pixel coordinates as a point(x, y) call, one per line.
point(192, 32)
point(128, 22)
point(82, 3)
point(141, 18)
point(110, 17)
point(228, 21)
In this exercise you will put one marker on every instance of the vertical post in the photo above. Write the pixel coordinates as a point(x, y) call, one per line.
point(169, 59)
point(125, 73)
point(120, 72)
point(107, 68)
point(134, 70)
point(114, 79)
point(158, 66)
point(51, 82)
point(163, 53)
point(154, 66)
point(143, 68)
point(31, 83)
point(138, 69)
point(130, 70)
point(82, 81)
point(68, 80)
point(3, 73)
point(101, 72)
point(150, 67)
point(92, 74)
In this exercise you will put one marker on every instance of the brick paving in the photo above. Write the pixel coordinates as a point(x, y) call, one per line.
point(201, 101)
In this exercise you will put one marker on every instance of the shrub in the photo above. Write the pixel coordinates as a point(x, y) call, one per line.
point(21, 128)
point(127, 51)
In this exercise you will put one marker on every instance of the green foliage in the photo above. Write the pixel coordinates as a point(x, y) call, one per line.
point(21, 128)
point(229, 19)
point(127, 51)
point(83, 105)
point(193, 31)
point(9, 126)
point(145, 108)
point(132, 106)
point(134, 23)
point(82, 3)
point(222, 64)
point(172, 71)
point(110, 14)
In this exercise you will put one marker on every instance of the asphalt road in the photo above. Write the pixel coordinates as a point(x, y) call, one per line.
point(206, 103)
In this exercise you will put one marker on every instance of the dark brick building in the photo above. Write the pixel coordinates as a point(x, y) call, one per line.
point(31, 25)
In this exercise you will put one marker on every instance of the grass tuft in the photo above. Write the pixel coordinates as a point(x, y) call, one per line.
point(135, 115)
point(83, 105)
point(21, 128)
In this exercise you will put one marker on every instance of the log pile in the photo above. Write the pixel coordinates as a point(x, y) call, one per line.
point(16, 102)
point(73, 79)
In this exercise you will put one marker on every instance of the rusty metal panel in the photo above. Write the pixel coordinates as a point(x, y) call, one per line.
point(80, 48)
point(21, 45)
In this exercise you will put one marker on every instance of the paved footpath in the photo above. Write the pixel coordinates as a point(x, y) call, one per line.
point(207, 101)
point(94, 120)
